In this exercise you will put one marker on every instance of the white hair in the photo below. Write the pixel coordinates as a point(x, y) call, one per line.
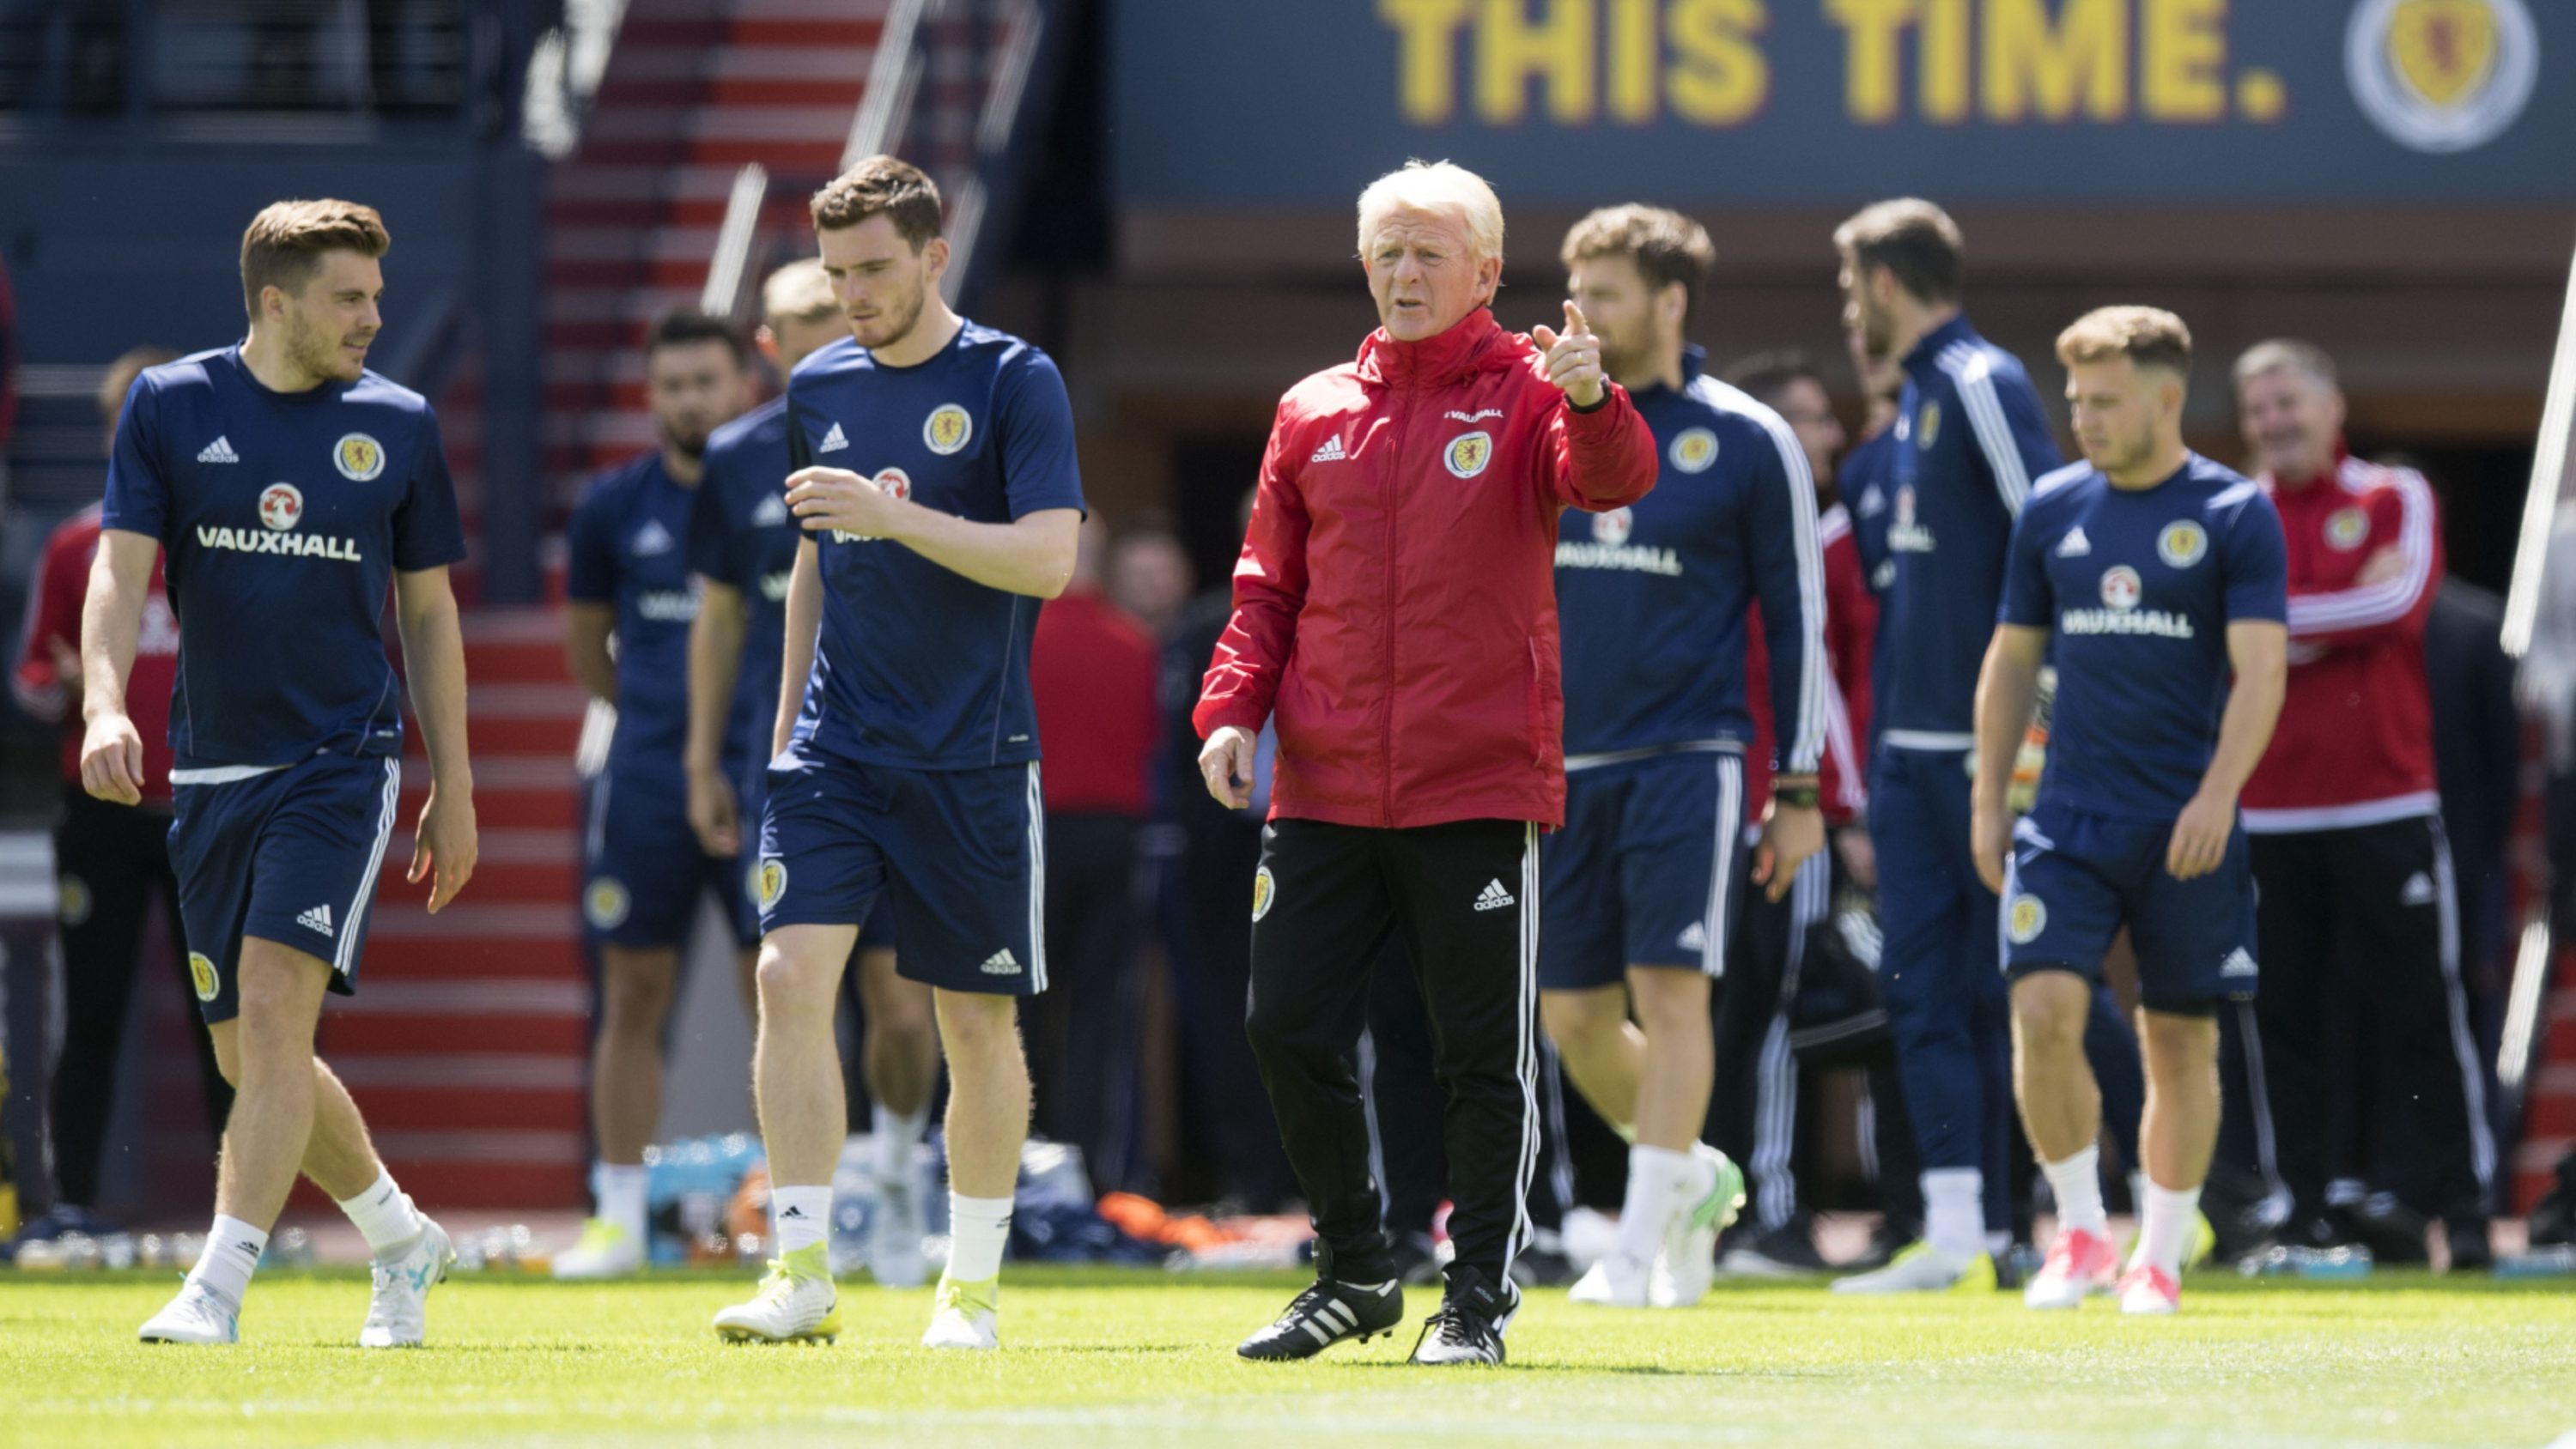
point(796, 290)
point(1436, 186)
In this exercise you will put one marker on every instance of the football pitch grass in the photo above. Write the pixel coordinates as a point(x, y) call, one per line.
point(1102, 1357)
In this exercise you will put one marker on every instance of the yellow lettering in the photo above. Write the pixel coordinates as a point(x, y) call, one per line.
point(1871, 88)
point(2182, 78)
point(2032, 65)
point(1427, 70)
point(1941, 45)
point(1558, 50)
point(1633, 55)
point(1719, 76)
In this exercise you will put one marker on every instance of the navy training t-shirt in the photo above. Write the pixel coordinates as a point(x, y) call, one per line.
point(284, 517)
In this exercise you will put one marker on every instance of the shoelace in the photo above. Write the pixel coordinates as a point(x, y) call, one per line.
point(1452, 1326)
point(1303, 1304)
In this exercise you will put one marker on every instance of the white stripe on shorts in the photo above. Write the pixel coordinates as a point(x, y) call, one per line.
point(345, 959)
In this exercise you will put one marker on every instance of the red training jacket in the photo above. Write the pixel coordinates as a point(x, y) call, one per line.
point(1395, 604)
point(1094, 674)
point(2355, 742)
point(54, 600)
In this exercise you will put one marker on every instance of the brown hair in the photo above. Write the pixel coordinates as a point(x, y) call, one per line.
point(1666, 246)
point(881, 186)
point(283, 245)
point(2285, 354)
point(118, 380)
point(1916, 241)
point(1769, 375)
point(2147, 336)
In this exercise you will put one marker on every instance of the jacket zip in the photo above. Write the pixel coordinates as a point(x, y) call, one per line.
point(1386, 625)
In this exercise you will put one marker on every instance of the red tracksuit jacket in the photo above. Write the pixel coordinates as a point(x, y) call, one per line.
point(2355, 742)
point(1395, 604)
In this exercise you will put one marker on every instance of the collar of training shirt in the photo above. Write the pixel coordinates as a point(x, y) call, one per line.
point(1433, 361)
point(1926, 354)
point(1694, 362)
point(2289, 488)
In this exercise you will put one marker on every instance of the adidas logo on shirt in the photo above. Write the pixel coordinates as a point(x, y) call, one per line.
point(2075, 544)
point(771, 513)
point(1494, 897)
point(316, 919)
point(833, 441)
point(1331, 452)
point(1001, 963)
point(652, 538)
point(2239, 962)
point(219, 451)
point(2418, 891)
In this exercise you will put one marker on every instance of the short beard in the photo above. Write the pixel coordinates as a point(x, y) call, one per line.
point(692, 446)
point(311, 353)
point(898, 325)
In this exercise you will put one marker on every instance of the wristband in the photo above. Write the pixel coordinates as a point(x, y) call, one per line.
point(1797, 797)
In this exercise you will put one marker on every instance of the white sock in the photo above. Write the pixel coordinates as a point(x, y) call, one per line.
point(891, 1140)
point(2138, 1193)
point(232, 1252)
point(2076, 1183)
point(802, 1216)
point(625, 1189)
point(2166, 1224)
point(978, 1229)
point(1657, 1179)
point(385, 1217)
point(1954, 1212)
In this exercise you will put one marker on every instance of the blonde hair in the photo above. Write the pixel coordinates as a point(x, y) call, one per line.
point(796, 292)
point(2147, 336)
point(1436, 186)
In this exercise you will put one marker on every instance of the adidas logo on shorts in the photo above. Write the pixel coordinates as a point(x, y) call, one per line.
point(1001, 963)
point(2418, 890)
point(1493, 897)
point(1694, 937)
point(2240, 962)
point(316, 919)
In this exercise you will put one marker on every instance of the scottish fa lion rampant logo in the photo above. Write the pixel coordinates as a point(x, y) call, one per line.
point(947, 429)
point(606, 904)
point(201, 975)
point(773, 881)
point(358, 457)
point(1264, 891)
point(2182, 543)
point(2028, 919)
point(1694, 449)
point(2346, 528)
point(1928, 431)
point(2442, 75)
point(1468, 454)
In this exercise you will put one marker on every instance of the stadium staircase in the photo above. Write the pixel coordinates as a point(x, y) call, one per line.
point(467, 1048)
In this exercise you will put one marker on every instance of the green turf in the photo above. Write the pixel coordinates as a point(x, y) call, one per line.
point(1105, 1358)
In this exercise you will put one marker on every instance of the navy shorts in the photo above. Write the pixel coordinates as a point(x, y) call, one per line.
point(288, 855)
point(959, 854)
point(1645, 872)
point(643, 870)
point(2075, 878)
point(751, 803)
